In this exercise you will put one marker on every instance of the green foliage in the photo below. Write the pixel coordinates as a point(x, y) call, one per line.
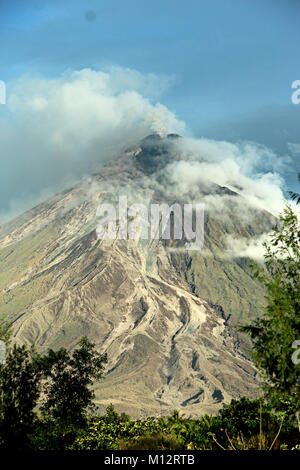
point(106, 431)
point(63, 380)
point(67, 380)
point(242, 424)
point(237, 426)
point(48, 434)
point(275, 331)
point(19, 392)
point(244, 416)
point(159, 441)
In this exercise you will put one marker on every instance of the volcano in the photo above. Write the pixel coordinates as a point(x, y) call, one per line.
point(165, 315)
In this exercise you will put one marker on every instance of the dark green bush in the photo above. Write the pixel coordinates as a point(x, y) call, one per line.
point(159, 441)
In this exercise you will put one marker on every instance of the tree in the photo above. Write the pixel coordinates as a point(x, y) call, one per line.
point(63, 380)
point(67, 381)
point(19, 393)
point(274, 333)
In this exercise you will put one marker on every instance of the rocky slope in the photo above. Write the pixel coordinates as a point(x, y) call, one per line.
point(165, 316)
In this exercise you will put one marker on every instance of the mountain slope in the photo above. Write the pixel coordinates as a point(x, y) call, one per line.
point(165, 316)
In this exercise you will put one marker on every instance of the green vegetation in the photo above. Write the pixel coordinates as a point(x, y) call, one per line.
point(239, 425)
point(46, 401)
point(274, 333)
point(58, 383)
point(67, 381)
point(238, 422)
point(19, 393)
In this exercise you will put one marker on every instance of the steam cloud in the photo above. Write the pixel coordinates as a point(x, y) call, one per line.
point(55, 131)
point(249, 169)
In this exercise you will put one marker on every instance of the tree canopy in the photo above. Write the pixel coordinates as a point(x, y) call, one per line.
point(273, 334)
point(58, 381)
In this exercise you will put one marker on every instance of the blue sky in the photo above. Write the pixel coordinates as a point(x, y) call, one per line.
point(232, 61)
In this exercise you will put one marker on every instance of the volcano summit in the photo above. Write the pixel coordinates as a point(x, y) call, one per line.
point(166, 316)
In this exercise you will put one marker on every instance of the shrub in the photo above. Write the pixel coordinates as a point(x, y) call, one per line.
point(159, 441)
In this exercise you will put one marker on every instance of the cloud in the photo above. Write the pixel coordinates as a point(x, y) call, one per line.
point(273, 126)
point(60, 129)
point(247, 248)
point(238, 167)
point(56, 131)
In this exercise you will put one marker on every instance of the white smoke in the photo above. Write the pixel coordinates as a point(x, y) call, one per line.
point(252, 248)
point(55, 131)
point(239, 167)
point(66, 127)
